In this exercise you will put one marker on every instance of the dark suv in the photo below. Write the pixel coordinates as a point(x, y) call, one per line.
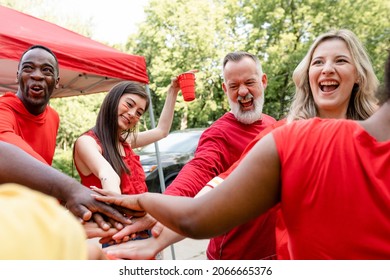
point(175, 150)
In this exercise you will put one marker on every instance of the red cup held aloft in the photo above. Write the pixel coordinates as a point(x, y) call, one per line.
point(187, 85)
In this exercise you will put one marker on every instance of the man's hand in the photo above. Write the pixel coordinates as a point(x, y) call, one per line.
point(81, 203)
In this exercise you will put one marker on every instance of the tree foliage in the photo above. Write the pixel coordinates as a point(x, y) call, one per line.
point(77, 114)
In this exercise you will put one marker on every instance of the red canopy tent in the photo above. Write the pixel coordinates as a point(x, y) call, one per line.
point(86, 66)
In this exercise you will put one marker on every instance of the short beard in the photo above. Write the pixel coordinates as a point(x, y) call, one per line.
point(248, 117)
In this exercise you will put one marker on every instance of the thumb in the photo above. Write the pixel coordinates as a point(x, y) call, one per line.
point(79, 211)
point(157, 229)
point(86, 215)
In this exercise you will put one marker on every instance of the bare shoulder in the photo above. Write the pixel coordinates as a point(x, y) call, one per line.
point(86, 143)
point(85, 140)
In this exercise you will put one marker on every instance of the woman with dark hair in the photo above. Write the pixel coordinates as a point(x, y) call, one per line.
point(104, 155)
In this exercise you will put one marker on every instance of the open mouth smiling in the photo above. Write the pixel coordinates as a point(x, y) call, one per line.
point(36, 89)
point(246, 101)
point(328, 86)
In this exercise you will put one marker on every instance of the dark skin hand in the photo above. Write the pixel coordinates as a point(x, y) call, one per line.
point(16, 166)
point(82, 204)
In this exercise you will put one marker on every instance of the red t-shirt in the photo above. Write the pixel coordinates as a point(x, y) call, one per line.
point(335, 196)
point(34, 134)
point(270, 224)
point(219, 147)
point(257, 236)
point(133, 183)
point(249, 147)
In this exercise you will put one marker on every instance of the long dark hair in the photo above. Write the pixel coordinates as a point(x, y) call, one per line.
point(106, 127)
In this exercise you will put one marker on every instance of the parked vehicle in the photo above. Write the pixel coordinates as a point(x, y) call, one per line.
point(175, 151)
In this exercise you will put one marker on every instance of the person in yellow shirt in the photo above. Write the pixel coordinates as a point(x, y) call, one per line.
point(34, 226)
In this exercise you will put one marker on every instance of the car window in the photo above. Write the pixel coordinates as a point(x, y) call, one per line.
point(175, 143)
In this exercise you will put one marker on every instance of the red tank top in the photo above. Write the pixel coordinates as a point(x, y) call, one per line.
point(133, 183)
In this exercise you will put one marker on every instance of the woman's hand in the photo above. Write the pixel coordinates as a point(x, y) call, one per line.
point(174, 87)
point(145, 249)
point(127, 204)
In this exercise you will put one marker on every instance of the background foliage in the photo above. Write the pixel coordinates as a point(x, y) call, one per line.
point(179, 35)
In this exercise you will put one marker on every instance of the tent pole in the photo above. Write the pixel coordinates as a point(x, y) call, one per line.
point(153, 124)
point(159, 167)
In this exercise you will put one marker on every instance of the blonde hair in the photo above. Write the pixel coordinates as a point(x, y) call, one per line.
point(363, 102)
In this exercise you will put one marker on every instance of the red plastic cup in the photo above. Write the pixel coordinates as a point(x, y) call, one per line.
point(187, 86)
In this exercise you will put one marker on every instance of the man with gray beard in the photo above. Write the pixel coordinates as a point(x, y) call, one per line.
point(224, 141)
point(219, 147)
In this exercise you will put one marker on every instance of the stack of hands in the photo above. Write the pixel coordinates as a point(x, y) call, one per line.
point(118, 234)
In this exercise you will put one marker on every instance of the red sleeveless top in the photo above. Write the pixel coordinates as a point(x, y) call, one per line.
point(133, 183)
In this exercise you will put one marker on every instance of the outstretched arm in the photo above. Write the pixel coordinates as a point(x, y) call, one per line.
point(89, 159)
point(16, 166)
point(224, 207)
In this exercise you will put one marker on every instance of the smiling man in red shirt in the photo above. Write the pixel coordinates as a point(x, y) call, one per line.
point(26, 119)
